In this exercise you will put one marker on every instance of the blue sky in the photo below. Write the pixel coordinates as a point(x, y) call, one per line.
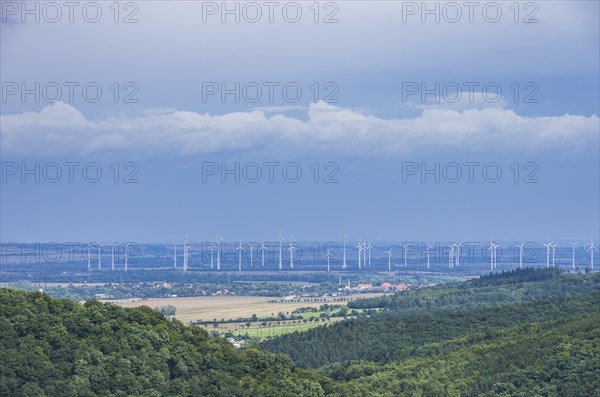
point(369, 133)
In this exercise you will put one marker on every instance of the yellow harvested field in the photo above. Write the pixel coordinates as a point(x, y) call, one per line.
point(207, 308)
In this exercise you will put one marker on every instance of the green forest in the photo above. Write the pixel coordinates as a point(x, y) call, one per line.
point(520, 333)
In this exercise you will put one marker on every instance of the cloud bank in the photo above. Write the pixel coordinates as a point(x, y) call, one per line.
point(62, 128)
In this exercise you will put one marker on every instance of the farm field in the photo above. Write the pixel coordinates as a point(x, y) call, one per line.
point(207, 308)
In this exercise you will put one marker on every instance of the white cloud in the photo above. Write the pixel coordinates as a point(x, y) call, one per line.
point(61, 128)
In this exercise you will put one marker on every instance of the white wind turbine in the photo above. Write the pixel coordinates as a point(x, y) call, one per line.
point(369, 248)
point(127, 256)
point(591, 248)
point(404, 247)
point(553, 250)
point(262, 253)
point(240, 249)
point(457, 253)
point(252, 246)
point(174, 255)
point(364, 249)
point(212, 255)
point(573, 254)
point(493, 249)
point(186, 257)
point(328, 255)
point(520, 246)
point(359, 246)
point(89, 256)
point(99, 256)
point(548, 247)
point(451, 257)
point(291, 250)
point(219, 252)
point(344, 259)
point(112, 256)
point(390, 260)
point(427, 253)
point(280, 252)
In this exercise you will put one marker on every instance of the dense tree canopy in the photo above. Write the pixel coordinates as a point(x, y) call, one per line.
point(58, 347)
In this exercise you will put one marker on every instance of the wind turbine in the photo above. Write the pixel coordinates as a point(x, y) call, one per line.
point(520, 254)
point(344, 259)
point(359, 246)
point(89, 257)
point(212, 255)
point(451, 257)
point(112, 256)
point(327, 256)
point(591, 248)
point(186, 257)
point(404, 247)
point(291, 249)
point(370, 247)
point(427, 253)
point(174, 255)
point(493, 248)
point(251, 245)
point(548, 247)
point(219, 252)
point(127, 256)
point(573, 255)
point(280, 252)
point(390, 260)
point(364, 245)
point(553, 249)
point(240, 249)
point(99, 256)
point(262, 252)
point(457, 253)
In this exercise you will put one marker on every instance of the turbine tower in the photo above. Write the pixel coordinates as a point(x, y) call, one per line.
point(328, 255)
point(548, 247)
point(573, 254)
point(364, 246)
point(262, 252)
point(212, 255)
point(427, 253)
point(174, 255)
point(112, 256)
point(219, 252)
point(451, 256)
point(369, 247)
point(89, 257)
point(390, 260)
point(280, 252)
point(553, 250)
point(520, 246)
point(127, 256)
point(344, 259)
point(185, 253)
point(99, 256)
point(359, 246)
point(251, 253)
point(240, 249)
point(493, 249)
point(291, 249)
point(591, 248)
point(457, 253)
point(404, 247)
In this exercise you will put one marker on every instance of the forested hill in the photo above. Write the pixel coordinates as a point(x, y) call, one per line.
point(59, 347)
point(494, 289)
point(520, 346)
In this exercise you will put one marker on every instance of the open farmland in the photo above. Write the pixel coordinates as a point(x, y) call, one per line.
point(207, 308)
